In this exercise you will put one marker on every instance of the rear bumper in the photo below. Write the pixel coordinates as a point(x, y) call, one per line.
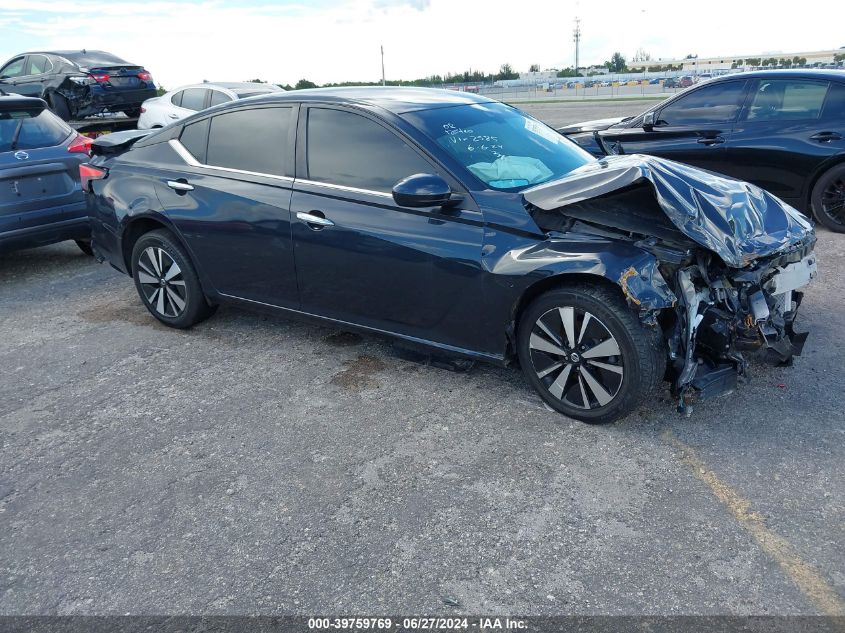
point(115, 99)
point(107, 245)
point(31, 237)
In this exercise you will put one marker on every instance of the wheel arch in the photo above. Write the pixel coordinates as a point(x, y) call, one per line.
point(139, 225)
point(821, 170)
point(544, 285)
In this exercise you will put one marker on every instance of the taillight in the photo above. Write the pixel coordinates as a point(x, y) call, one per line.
point(100, 78)
point(143, 109)
point(145, 76)
point(81, 144)
point(87, 173)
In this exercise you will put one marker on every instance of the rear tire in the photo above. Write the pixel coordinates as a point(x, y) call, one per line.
point(588, 355)
point(828, 199)
point(59, 105)
point(167, 281)
point(133, 113)
point(85, 247)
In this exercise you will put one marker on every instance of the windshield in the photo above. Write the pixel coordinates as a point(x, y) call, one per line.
point(502, 147)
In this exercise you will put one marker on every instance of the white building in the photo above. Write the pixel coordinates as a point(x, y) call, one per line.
point(710, 64)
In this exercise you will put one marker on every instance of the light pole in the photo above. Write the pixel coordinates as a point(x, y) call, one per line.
point(577, 37)
point(382, 64)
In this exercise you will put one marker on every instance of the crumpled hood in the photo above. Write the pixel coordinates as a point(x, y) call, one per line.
point(736, 220)
point(589, 126)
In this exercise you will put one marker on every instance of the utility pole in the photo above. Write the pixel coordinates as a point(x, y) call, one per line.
point(382, 64)
point(577, 37)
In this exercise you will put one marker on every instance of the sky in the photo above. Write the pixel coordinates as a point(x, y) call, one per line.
point(186, 41)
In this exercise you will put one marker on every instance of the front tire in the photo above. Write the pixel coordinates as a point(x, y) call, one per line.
point(828, 199)
point(167, 281)
point(587, 355)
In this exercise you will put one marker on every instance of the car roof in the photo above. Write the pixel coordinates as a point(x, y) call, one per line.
point(244, 85)
point(787, 73)
point(232, 86)
point(85, 57)
point(393, 99)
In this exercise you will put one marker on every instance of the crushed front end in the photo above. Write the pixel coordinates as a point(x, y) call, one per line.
point(735, 257)
point(723, 312)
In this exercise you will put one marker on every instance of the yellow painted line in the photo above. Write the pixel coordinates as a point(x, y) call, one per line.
point(807, 578)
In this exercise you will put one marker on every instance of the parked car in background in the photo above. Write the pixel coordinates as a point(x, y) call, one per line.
point(686, 81)
point(185, 101)
point(670, 82)
point(783, 130)
point(41, 201)
point(77, 84)
point(452, 221)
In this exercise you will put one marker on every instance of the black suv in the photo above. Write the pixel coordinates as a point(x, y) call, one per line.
point(77, 84)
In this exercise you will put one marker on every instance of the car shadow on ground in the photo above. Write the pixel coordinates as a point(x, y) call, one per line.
point(22, 266)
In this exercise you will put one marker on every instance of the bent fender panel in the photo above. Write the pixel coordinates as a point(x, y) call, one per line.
point(514, 272)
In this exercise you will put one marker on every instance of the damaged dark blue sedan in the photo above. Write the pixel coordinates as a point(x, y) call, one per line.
point(460, 224)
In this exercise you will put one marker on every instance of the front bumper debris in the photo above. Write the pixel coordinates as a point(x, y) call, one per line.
point(719, 318)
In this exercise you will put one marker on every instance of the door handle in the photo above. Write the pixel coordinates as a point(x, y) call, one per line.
point(180, 185)
point(173, 116)
point(824, 137)
point(711, 140)
point(312, 219)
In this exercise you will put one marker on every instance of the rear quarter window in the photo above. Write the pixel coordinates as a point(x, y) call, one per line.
point(34, 129)
point(194, 138)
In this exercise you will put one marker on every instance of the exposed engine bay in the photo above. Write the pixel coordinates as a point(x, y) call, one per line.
point(729, 257)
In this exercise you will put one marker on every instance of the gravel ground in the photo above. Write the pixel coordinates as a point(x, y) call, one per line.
point(260, 465)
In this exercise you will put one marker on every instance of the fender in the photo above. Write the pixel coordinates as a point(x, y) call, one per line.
point(518, 275)
point(125, 233)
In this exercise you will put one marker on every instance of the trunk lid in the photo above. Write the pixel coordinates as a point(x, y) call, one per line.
point(122, 76)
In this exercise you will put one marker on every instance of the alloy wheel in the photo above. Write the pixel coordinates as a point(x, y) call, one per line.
point(833, 201)
point(576, 357)
point(162, 282)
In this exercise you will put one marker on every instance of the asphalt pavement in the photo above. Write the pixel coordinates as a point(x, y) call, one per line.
point(256, 464)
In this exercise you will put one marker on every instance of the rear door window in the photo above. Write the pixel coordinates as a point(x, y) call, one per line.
point(254, 140)
point(33, 128)
point(176, 99)
point(348, 149)
point(787, 100)
point(713, 104)
point(194, 99)
point(834, 105)
point(38, 65)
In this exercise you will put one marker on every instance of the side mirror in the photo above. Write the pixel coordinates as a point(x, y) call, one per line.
point(648, 120)
point(422, 190)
